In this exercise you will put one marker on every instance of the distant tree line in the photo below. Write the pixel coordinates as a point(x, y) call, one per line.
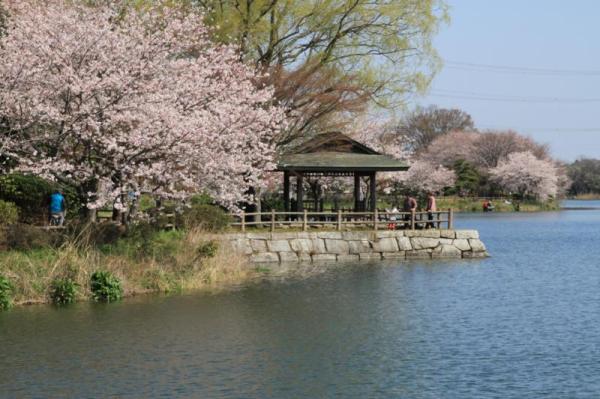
point(585, 176)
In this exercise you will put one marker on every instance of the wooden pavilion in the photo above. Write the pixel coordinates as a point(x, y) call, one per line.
point(334, 154)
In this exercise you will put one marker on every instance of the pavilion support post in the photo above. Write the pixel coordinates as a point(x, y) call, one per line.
point(356, 192)
point(300, 192)
point(286, 191)
point(373, 191)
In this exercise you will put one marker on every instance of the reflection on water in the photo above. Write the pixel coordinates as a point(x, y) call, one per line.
point(523, 323)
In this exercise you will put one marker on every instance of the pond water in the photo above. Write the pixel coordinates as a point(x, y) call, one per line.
point(524, 323)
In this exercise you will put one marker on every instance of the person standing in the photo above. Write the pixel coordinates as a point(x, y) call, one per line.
point(410, 205)
point(58, 207)
point(431, 208)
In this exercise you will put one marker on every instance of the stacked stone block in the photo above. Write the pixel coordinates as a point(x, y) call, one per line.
point(357, 245)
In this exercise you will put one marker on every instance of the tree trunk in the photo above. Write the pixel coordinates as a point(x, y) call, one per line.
point(258, 202)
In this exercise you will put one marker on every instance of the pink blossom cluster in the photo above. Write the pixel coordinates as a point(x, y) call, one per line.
point(524, 174)
point(132, 101)
point(426, 177)
point(381, 138)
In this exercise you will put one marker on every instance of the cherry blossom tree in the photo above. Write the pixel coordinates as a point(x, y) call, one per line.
point(380, 136)
point(115, 102)
point(451, 147)
point(425, 177)
point(524, 174)
point(494, 146)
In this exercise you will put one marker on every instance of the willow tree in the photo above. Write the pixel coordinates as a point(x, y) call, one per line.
point(351, 52)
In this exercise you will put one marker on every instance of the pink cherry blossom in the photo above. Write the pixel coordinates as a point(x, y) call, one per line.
point(424, 177)
point(524, 174)
point(134, 101)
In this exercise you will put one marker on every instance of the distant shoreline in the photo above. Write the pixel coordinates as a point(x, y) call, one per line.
point(585, 197)
point(459, 204)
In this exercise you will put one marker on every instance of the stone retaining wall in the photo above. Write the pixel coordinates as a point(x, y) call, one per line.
point(357, 245)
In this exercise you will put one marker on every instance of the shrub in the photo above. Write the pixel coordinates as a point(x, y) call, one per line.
point(141, 236)
point(63, 291)
point(206, 217)
point(9, 213)
point(207, 249)
point(25, 237)
point(105, 287)
point(6, 291)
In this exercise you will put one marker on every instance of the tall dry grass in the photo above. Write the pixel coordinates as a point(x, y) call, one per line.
point(178, 266)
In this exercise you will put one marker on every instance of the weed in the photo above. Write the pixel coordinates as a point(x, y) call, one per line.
point(6, 291)
point(63, 291)
point(105, 287)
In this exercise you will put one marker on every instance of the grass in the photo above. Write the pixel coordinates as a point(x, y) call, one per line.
point(169, 262)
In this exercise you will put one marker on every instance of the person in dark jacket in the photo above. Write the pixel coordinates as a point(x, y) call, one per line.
point(410, 205)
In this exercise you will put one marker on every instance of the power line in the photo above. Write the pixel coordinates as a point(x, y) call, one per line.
point(466, 95)
point(544, 129)
point(469, 66)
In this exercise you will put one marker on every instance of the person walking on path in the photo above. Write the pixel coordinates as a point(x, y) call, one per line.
point(58, 207)
point(410, 205)
point(431, 208)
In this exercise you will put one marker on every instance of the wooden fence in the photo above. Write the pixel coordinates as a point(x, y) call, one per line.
point(340, 219)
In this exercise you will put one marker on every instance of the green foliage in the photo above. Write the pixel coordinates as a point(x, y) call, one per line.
point(31, 194)
point(272, 201)
point(585, 176)
point(140, 237)
point(143, 240)
point(63, 291)
point(164, 245)
point(146, 202)
point(349, 35)
point(467, 178)
point(207, 249)
point(105, 287)
point(207, 217)
point(201, 199)
point(6, 292)
point(9, 213)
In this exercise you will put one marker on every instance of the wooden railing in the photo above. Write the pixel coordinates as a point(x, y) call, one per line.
point(340, 219)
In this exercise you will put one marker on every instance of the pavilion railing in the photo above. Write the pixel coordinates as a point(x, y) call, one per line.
point(340, 220)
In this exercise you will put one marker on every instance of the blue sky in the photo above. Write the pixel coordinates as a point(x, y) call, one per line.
point(537, 67)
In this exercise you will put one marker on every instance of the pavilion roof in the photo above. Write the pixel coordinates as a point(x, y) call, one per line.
point(336, 152)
